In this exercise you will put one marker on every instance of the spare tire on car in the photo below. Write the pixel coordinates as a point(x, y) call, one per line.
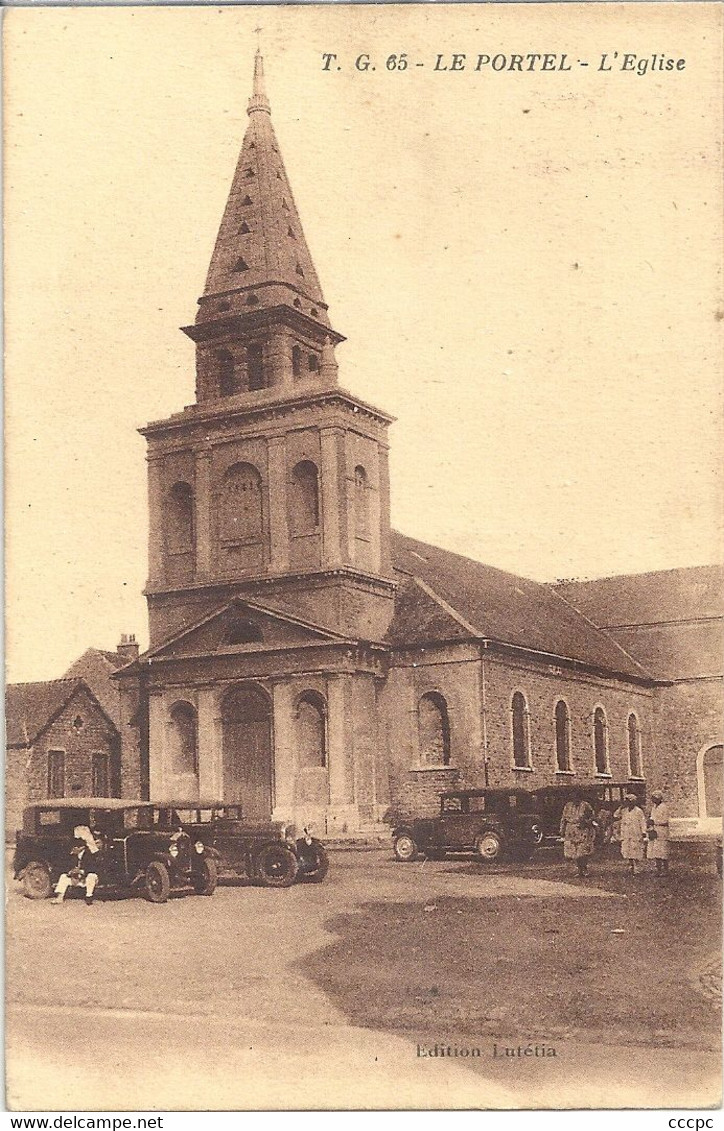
point(36, 880)
point(489, 846)
point(405, 848)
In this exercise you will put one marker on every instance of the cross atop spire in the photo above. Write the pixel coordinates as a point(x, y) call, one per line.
point(258, 100)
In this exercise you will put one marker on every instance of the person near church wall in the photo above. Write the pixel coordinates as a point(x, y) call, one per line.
point(658, 833)
point(578, 830)
point(633, 832)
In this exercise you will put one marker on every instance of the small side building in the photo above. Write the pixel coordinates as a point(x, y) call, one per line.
point(60, 742)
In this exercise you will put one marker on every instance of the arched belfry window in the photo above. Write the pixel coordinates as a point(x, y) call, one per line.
point(635, 761)
point(600, 740)
point(433, 726)
point(297, 370)
point(241, 514)
point(563, 737)
point(228, 381)
point(183, 739)
point(304, 498)
point(179, 519)
point(361, 503)
point(311, 731)
point(255, 366)
point(520, 731)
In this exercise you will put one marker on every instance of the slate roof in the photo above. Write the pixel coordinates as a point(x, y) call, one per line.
point(672, 621)
point(497, 606)
point(260, 241)
point(419, 618)
point(29, 707)
point(691, 593)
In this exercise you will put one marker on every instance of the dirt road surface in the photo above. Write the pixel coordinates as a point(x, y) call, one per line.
point(386, 986)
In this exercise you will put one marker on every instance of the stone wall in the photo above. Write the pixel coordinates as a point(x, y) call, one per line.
point(688, 720)
point(543, 685)
point(478, 694)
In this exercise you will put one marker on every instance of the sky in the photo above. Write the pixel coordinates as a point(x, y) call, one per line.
point(526, 266)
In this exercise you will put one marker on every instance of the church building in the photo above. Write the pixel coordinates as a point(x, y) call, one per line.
point(305, 659)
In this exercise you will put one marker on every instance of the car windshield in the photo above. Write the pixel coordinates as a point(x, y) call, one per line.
point(140, 818)
point(108, 822)
point(452, 805)
point(186, 816)
point(166, 817)
point(47, 818)
point(229, 813)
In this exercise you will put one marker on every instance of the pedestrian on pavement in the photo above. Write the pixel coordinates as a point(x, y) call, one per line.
point(658, 833)
point(633, 832)
point(85, 865)
point(578, 830)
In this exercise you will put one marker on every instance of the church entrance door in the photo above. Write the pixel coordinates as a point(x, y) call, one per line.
point(247, 751)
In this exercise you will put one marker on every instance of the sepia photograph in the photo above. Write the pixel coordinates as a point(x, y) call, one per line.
point(364, 582)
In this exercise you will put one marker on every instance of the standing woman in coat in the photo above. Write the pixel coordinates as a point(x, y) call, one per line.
point(578, 830)
point(633, 832)
point(658, 848)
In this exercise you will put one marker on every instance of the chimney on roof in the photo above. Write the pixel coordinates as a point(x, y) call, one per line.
point(128, 648)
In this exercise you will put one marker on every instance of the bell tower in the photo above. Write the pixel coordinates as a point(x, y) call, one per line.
point(274, 484)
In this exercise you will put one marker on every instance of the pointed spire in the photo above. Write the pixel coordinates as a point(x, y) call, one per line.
point(261, 254)
point(258, 100)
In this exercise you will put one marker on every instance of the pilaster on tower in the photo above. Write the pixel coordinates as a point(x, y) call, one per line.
point(262, 322)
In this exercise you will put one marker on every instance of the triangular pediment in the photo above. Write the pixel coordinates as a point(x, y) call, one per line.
point(245, 626)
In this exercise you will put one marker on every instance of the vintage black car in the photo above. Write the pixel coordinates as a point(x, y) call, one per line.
point(495, 824)
point(134, 853)
point(269, 853)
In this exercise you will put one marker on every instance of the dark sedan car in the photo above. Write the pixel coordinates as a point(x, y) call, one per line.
point(495, 824)
point(269, 853)
point(134, 854)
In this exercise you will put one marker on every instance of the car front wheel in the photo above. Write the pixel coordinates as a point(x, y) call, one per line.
point(36, 880)
point(405, 848)
point(489, 846)
point(205, 880)
point(277, 866)
point(157, 882)
point(316, 864)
